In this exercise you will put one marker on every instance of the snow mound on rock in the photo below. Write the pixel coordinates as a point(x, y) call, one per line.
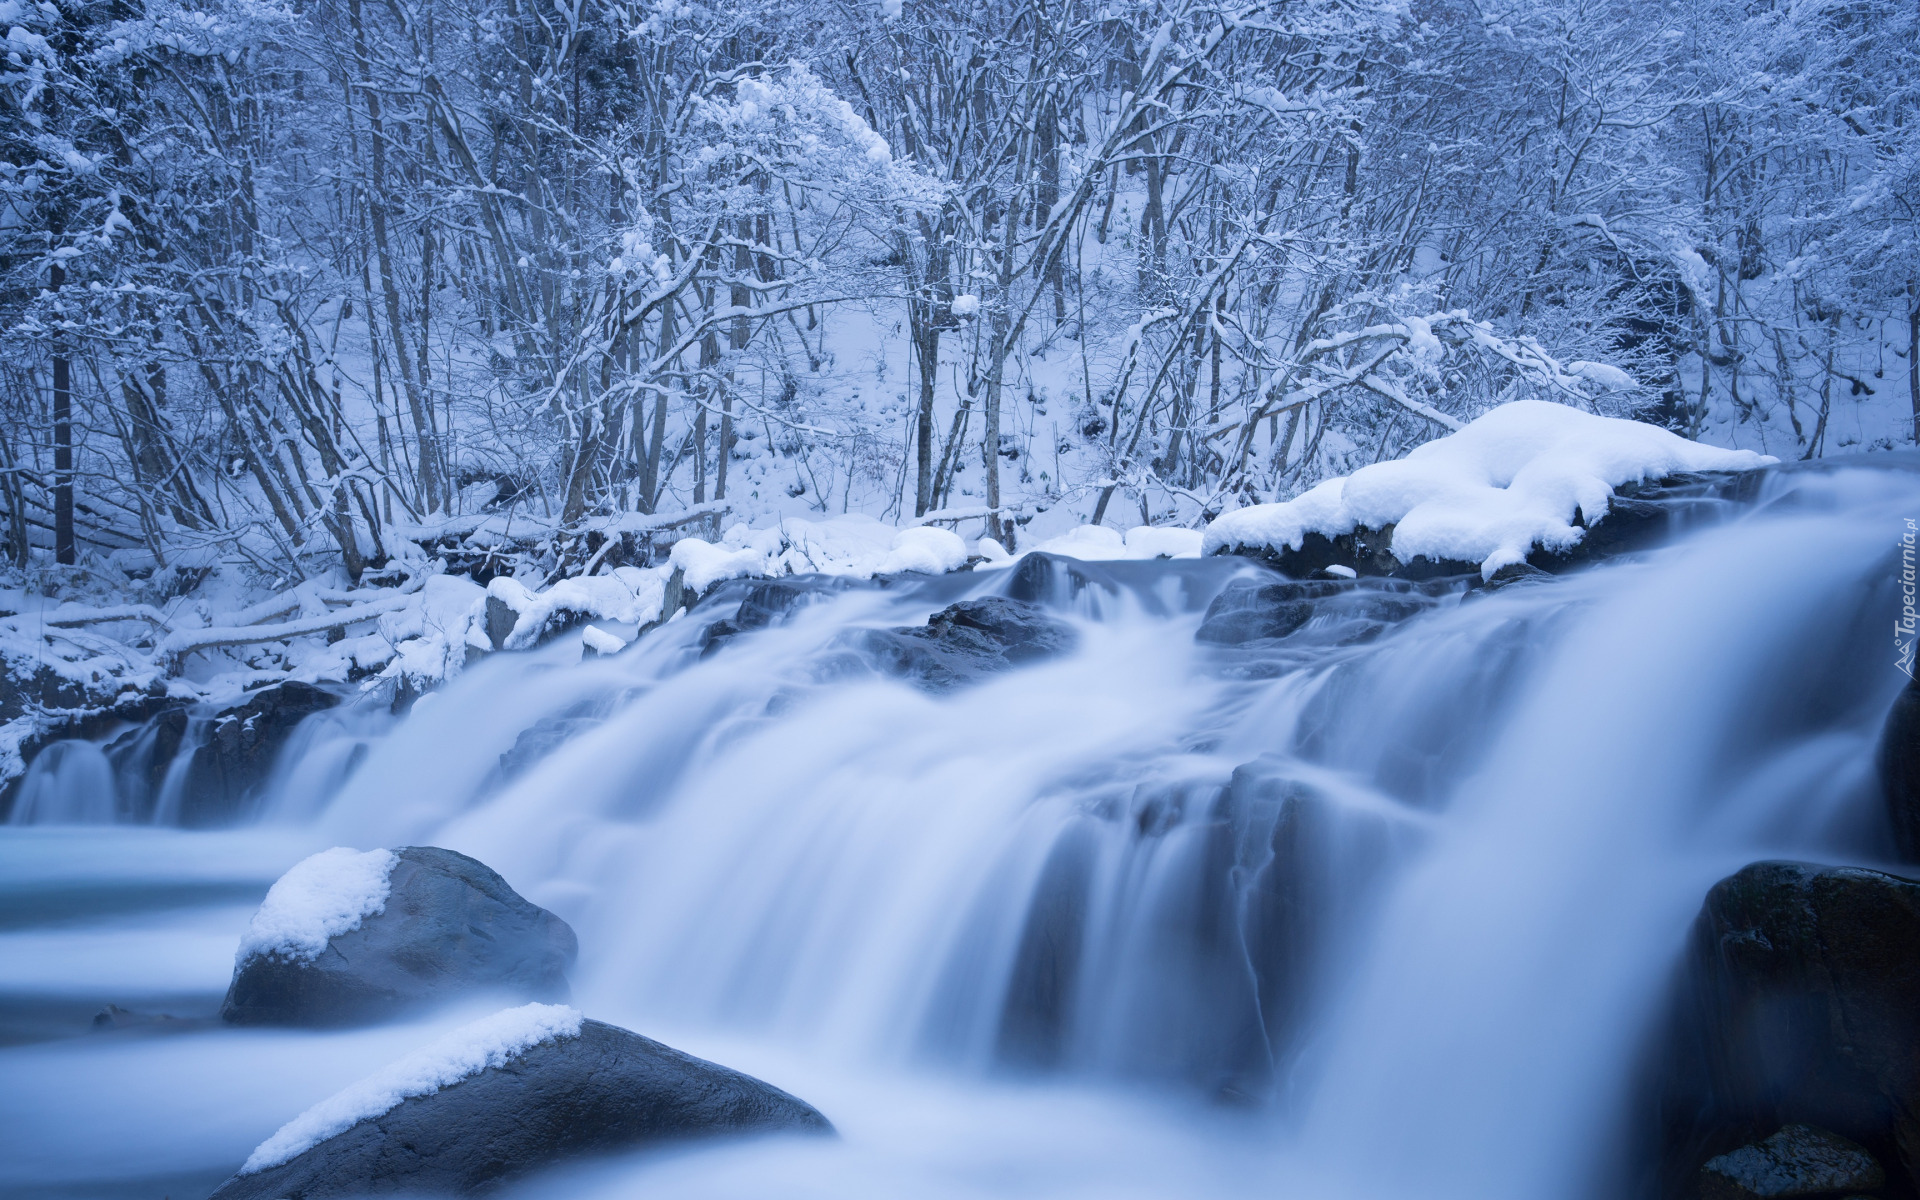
point(489, 1042)
point(1511, 480)
point(925, 548)
point(633, 595)
point(852, 545)
point(1102, 543)
point(322, 896)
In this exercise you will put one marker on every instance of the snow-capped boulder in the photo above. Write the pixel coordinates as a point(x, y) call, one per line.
point(1799, 1007)
point(1529, 476)
point(348, 938)
point(965, 641)
point(507, 1095)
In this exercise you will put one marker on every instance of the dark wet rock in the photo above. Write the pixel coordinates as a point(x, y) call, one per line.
point(1800, 1160)
point(1799, 1008)
point(501, 618)
point(606, 1090)
point(542, 738)
point(114, 1019)
point(1055, 579)
point(1348, 610)
point(1366, 552)
point(966, 641)
point(1899, 763)
point(451, 929)
point(1517, 574)
point(764, 603)
point(229, 769)
point(1157, 586)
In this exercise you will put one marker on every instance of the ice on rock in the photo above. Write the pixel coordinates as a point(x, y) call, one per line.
point(1512, 480)
point(491, 1041)
point(323, 896)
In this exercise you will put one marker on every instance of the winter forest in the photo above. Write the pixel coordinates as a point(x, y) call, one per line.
point(960, 599)
point(292, 281)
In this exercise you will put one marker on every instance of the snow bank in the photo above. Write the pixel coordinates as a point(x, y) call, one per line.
point(704, 564)
point(431, 636)
point(925, 548)
point(1509, 481)
point(850, 545)
point(324, 895)
point(1160, 541)
point(489, 1042)
point(631, 595)
point(1100, 543)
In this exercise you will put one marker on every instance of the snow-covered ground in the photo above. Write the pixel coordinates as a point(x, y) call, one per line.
point(1527, 474)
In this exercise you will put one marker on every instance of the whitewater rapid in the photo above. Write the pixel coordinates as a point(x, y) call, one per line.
point(1369, 919)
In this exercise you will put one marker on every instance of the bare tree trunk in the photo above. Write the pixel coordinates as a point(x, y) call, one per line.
point(1913, 354)
point(926, 346)
point(63, 548)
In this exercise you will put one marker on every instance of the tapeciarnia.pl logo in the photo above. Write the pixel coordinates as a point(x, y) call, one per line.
point(1904, 628)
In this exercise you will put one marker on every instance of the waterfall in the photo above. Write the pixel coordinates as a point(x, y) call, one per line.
point(1390, 906)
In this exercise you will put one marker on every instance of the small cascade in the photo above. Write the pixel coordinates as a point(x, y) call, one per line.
point(1402, 868)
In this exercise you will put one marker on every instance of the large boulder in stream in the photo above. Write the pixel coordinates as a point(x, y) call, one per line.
point(350, 938)
point(966, 641)
point(524, 1089)
point(1801, 1007)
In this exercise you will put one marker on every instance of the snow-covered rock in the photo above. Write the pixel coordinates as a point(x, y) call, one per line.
point(1512, 480)
point(924, 548)
point(492, 1041)
point(350, 938)
point(629, 595)
point(505, 1096)
point(322, 896)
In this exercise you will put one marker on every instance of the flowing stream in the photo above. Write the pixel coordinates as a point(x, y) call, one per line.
point(1334, 916)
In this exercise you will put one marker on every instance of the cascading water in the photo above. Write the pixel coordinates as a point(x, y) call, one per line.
point(1376, 910)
